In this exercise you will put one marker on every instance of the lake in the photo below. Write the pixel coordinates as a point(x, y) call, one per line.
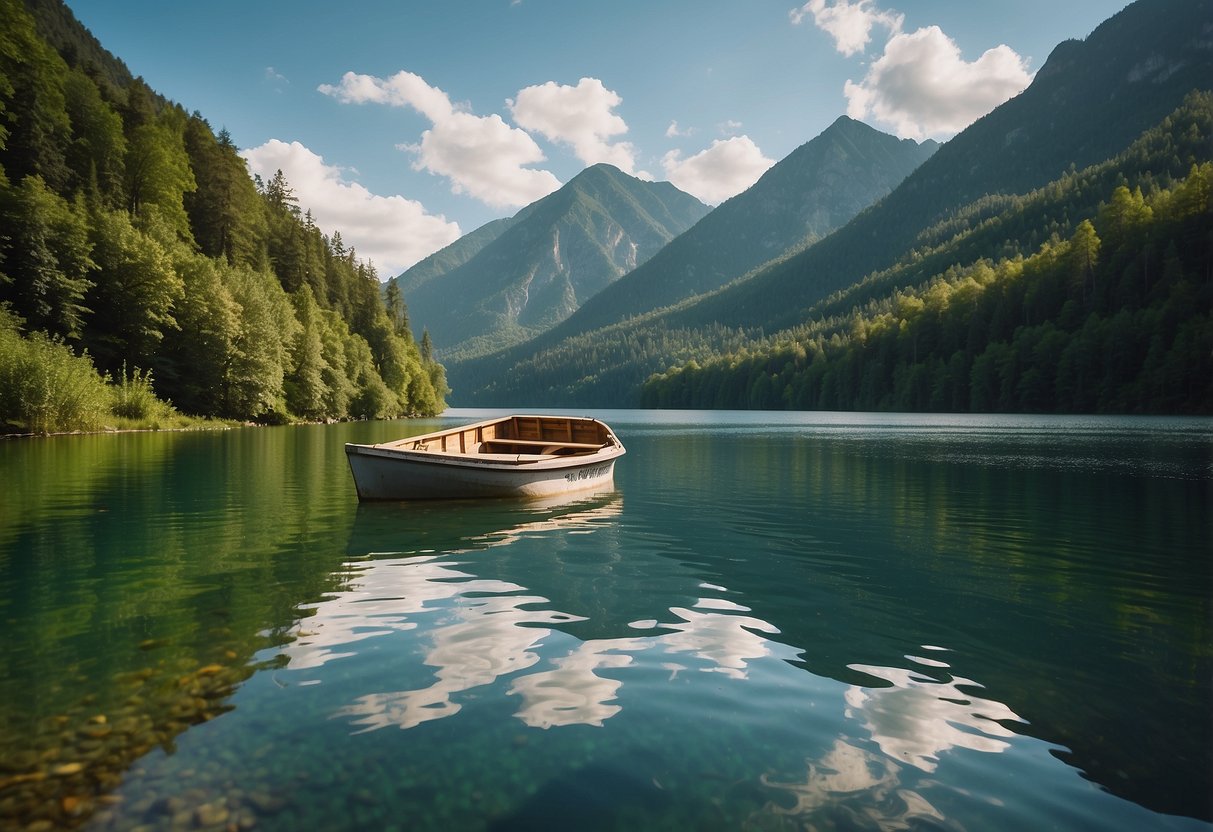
point(772, 621)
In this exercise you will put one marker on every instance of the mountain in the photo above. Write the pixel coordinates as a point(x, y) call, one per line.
point(1114, 318)
point(547, 261)
point(815, 189)
point(453, 256)
point(1087, 104)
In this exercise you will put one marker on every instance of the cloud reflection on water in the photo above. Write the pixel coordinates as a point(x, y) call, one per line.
point(476, 631)
point(855, 783)
point(919, 717)
point(912, 723)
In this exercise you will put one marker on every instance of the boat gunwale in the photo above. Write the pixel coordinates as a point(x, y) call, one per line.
point(503, 461)
point(610, 449)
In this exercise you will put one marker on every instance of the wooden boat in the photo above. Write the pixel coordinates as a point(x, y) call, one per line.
point(514, 456)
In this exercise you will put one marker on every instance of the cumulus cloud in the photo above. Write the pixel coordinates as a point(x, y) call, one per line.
point(723, 170)
point(391, 231)
point(922, 86)
point(849, 23)
point(482, 156)
point(582, 117)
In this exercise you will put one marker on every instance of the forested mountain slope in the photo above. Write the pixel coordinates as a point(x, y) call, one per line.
point(547, 261)
point(452, 256)
point(1086, 104)
point(1117, 317)
point(1089, 101)
point(137, 255)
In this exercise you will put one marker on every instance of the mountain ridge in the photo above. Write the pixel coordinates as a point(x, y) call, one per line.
point(537, 268)
point(810, 192)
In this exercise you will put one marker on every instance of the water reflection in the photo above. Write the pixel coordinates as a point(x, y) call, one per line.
point(860, 788)
point(918, 718)
point(472, 631)
point(913, 721)
point(139, 578)
point(572, 693)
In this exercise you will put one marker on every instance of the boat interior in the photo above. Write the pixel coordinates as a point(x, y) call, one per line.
point(513, 436)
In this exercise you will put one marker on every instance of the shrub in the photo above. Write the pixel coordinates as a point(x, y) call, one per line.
point(44, 386)
point(133, 397)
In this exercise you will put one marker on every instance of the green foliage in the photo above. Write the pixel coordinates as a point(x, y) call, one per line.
point(34, 126)
point(46, 254)
point(193, 364)
point(305, 387)
point(97, 151)
point(44, 386)
point(158, 172)
point(226, 214)
point(1089, 324)
point(252, 387)
point(135, 292)
point(133, 397)
point(131, 230)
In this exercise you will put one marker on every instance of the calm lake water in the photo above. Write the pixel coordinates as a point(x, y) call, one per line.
point(773, 621)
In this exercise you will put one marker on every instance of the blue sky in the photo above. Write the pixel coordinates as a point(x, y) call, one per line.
point(406, 124)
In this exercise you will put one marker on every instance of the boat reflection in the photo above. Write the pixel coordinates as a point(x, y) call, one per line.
point(385, 528)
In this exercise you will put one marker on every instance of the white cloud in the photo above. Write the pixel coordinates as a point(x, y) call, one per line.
point(582, 117)
point(849, 23)
point(728, 127)
point(391, 231)
point(481, 155)
point(723, 170)
point(674, 131)
point(922, 86)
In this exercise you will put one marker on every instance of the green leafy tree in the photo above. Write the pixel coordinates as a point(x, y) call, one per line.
point(158, 171)
point(197, 355)
point(98, 147)
point(46, 252)
point(253, 382)
point(306, 392)
point(34, 125)
point(135, 291)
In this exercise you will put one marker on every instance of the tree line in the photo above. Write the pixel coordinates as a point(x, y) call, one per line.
point(134, 244)
point(1115, 318)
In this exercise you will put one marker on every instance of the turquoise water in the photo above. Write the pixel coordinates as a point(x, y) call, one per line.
point(772, 621)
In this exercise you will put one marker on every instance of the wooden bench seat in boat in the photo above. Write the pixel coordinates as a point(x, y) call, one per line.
point(555, 445)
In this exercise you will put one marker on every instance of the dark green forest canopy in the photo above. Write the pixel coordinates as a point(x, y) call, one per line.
point(134, 238)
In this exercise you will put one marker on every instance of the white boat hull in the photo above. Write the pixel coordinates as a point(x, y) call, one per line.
point(457, 464)
point(394, 476)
